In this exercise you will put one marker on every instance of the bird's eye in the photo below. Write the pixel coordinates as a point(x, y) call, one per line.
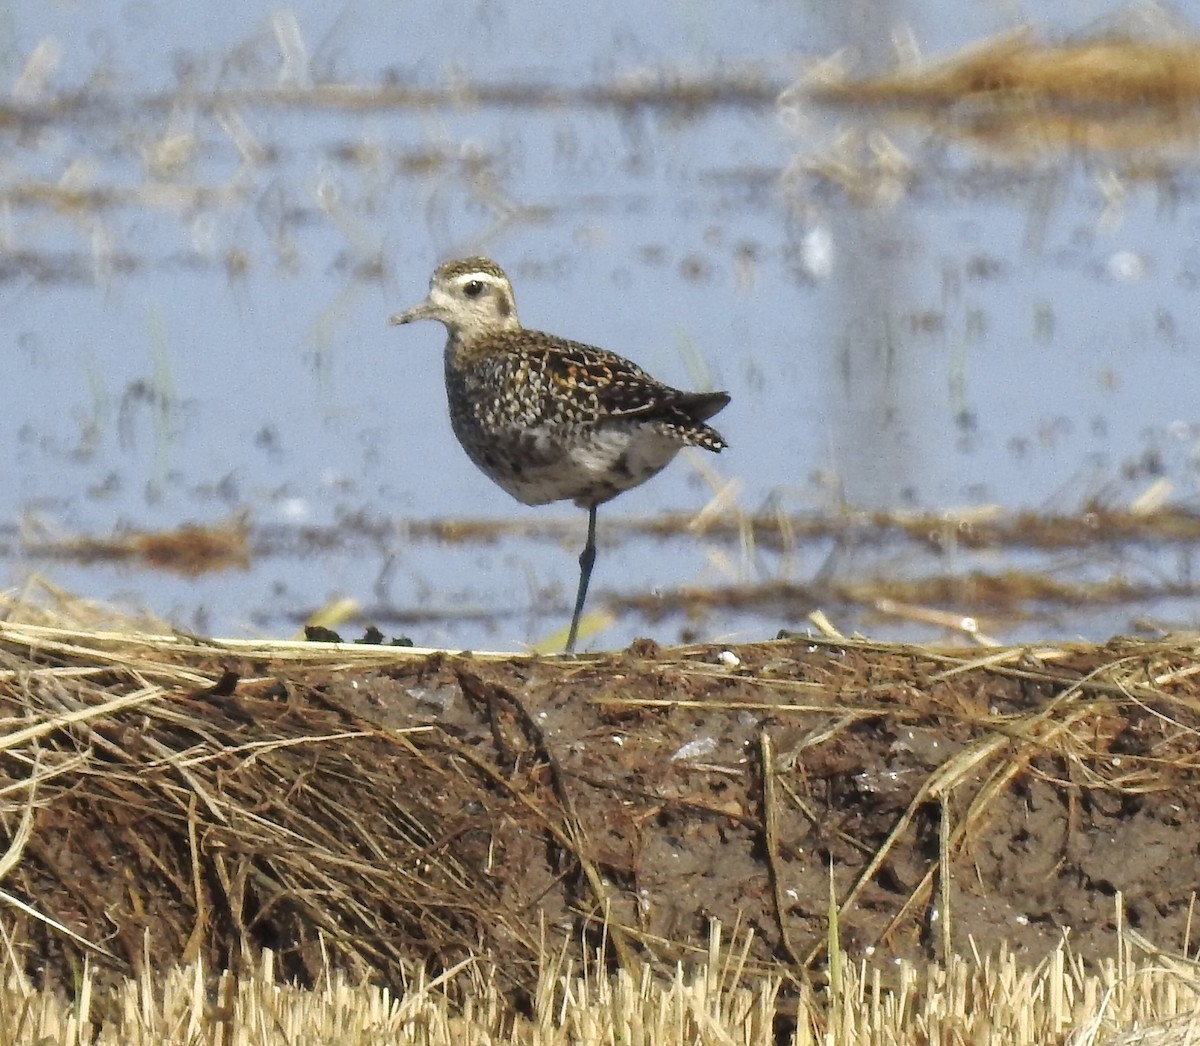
point(473, 288)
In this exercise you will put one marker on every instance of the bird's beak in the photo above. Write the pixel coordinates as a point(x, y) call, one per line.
point(426, 310)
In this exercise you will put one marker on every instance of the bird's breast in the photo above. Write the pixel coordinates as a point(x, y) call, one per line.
point(543, 463)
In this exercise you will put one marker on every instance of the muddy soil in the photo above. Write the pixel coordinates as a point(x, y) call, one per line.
point(421, 807)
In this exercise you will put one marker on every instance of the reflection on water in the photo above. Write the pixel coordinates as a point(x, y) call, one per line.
point(205, 227)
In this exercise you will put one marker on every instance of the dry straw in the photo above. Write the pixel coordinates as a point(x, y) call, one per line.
point(996, 1000)
point(468, 832)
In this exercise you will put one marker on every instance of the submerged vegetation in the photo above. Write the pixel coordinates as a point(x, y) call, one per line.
point(977, 573)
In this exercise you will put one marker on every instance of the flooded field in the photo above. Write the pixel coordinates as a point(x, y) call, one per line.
point(952, 294)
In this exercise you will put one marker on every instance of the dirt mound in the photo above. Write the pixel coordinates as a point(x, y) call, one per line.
point(397, 808)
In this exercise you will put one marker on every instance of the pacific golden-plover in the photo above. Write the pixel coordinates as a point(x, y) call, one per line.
point(549, 419)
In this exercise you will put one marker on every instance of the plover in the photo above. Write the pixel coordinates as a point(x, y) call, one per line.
point(549, 419)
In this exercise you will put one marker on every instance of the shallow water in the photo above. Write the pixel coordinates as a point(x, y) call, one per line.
point(201, 243)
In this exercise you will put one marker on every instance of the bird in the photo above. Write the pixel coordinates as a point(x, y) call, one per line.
point(549, 419)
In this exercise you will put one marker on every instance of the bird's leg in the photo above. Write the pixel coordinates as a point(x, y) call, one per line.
point(587, 559)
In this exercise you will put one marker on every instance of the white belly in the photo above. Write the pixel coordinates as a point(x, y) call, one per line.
point(588, 466)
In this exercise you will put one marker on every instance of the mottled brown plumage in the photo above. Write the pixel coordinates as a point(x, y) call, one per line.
point(549, 419)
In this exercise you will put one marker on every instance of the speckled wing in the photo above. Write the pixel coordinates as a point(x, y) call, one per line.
point(612, 387)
